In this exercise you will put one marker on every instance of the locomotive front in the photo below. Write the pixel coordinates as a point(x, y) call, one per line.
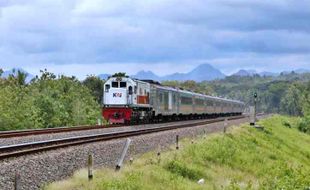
point(117, 98)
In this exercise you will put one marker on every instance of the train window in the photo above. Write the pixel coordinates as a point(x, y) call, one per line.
point(107, 87)
point(199, 102)
point(115, 84)
point(186, 100)
point(123, 84)
point(130, 90)
point(140, 91)
point(160, 97)
point(166, 96)
point(135, 90)
point(210, 103)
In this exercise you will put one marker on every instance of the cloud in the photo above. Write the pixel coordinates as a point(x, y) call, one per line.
point(149, 33)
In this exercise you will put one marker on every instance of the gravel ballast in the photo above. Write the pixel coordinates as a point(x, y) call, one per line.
point(36, 170)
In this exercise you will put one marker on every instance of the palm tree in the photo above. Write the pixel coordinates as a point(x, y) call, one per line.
point(21, 77)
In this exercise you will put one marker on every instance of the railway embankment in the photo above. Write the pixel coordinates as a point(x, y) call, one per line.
point(33, 171)
point(275, 157)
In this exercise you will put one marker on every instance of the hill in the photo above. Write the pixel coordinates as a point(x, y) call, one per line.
point(245, 158)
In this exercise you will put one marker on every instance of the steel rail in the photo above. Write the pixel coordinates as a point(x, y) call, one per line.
point(34, 147)
point(28, 132)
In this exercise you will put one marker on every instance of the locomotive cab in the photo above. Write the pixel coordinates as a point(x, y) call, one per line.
point(118, 91)
point(117, 99)
point(125, 99)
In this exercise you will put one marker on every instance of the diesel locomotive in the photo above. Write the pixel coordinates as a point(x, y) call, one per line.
point(129, 100)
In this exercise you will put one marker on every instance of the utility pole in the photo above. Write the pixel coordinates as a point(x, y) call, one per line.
point(255, 106)
point(253, 110)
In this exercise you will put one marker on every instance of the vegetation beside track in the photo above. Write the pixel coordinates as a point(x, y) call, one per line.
point(46, 102)
point(277, 157)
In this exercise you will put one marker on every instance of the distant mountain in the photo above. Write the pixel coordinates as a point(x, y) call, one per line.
point(243, 73)
point(205, 72)
point(298, 71)
point(268, 74)
point(6, 74)
point(146, 75)
point(200, 73)
point(302, 71)
point(104, 76)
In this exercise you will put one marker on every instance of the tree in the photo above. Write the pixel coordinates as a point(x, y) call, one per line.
point(291, 102)
point(1, 72)
point(306, 100)
point(21, 77)
point(189, 85)
point(18, 77)
point(95, 85)
point(172, 83)
point(120, 74)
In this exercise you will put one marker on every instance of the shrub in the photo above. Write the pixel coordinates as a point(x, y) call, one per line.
point(304, 125)
point(181, 169)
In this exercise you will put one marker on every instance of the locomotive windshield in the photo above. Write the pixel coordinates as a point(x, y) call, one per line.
point(114, 84)
point(119, 84)
point(123, 84)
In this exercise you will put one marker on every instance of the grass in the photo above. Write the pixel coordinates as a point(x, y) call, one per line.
point(244, 158)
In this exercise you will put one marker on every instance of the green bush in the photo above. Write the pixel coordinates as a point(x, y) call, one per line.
point(46, 102)
point(304, 125)
point(183, 170)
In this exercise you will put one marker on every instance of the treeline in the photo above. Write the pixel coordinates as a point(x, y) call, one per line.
point(48, 101)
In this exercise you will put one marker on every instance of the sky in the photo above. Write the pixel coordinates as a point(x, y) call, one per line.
point(83, 37)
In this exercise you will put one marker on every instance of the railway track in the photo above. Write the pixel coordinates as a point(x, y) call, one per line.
point(21, 133)
point(35, 147)
point(28, 132)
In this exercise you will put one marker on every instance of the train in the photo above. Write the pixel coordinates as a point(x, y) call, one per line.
point(129, 100)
